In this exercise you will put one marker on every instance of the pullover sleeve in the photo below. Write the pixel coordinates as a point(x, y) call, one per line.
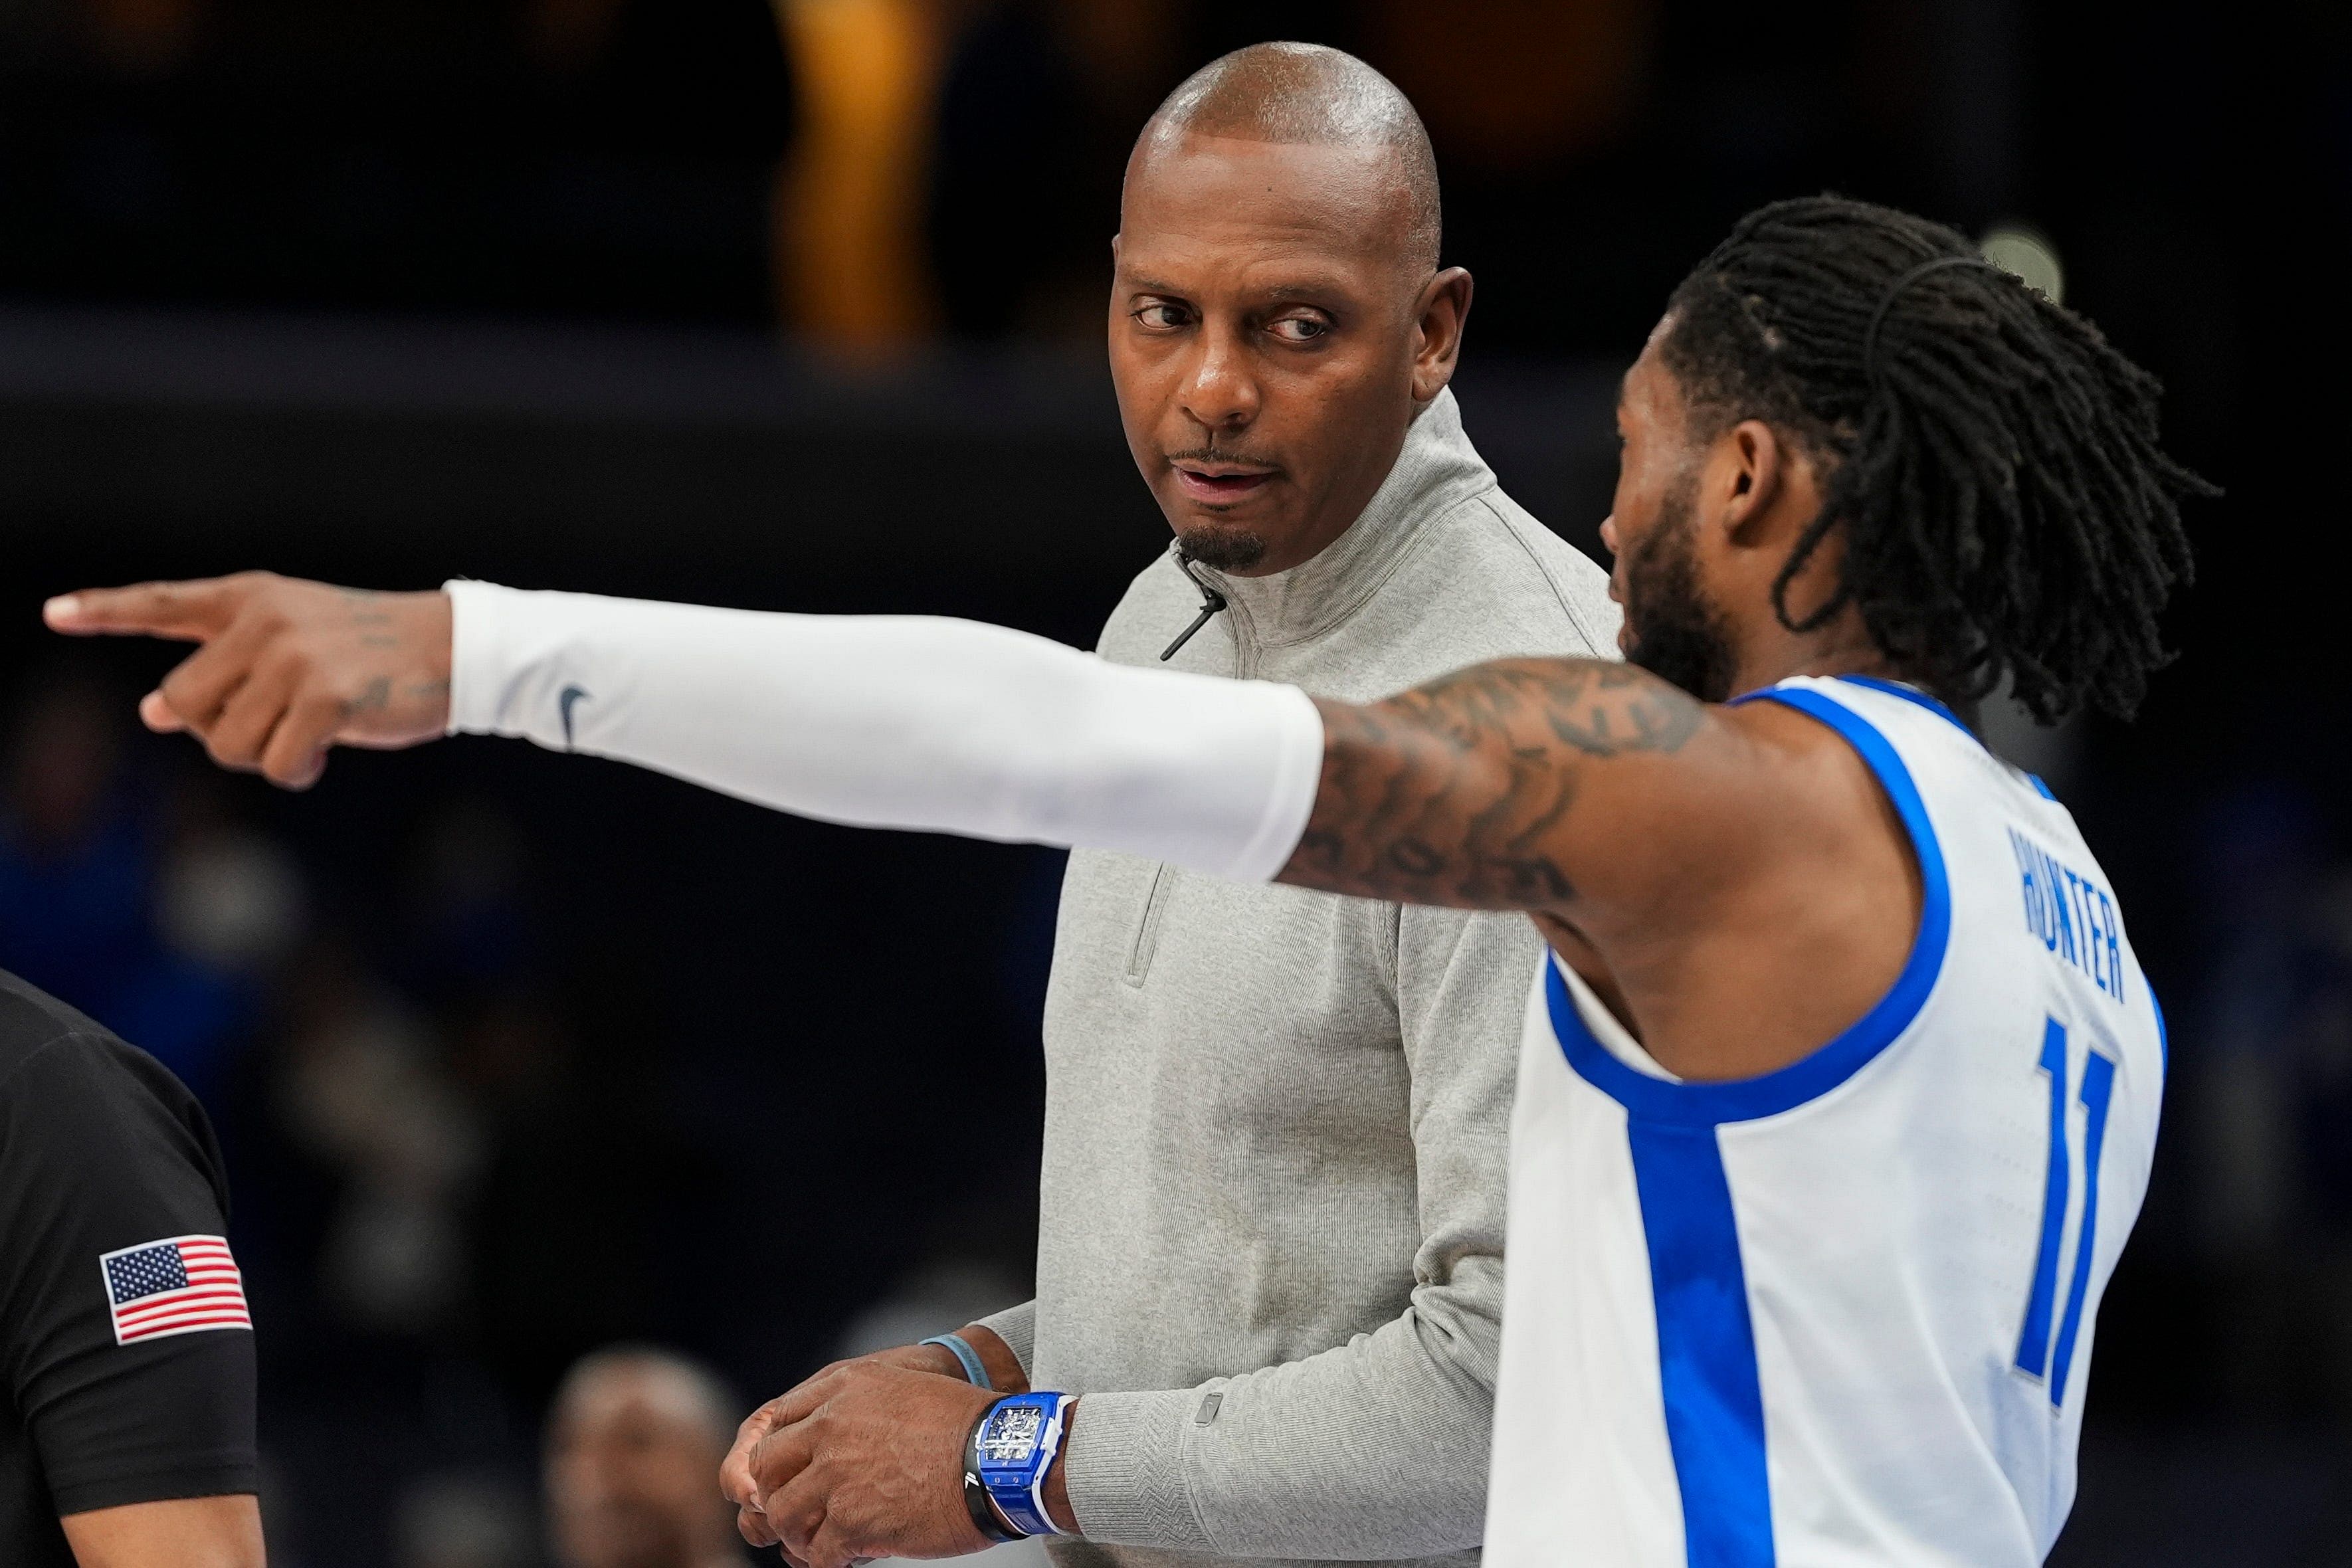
point(1376, 1449)
point(905, 721)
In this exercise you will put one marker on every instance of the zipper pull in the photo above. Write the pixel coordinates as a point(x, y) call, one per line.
point(1212, 602)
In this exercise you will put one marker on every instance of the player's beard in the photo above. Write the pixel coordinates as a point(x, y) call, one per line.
point(1678, 636)
point(1222, 546)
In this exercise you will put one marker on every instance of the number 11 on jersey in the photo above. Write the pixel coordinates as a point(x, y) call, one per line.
point(2035, 1356)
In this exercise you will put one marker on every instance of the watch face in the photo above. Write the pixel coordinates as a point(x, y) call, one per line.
point(1011, 1435)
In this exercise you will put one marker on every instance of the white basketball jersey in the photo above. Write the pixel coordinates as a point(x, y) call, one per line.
point(1840, 1314)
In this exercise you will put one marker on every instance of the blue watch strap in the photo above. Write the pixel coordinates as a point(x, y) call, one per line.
point(975, 1371)
point(1015, 1445)
point(1023, 1515)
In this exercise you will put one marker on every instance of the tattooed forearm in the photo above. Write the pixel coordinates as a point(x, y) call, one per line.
point(1459, 792)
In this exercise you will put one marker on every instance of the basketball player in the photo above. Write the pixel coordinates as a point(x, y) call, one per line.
point(1839, 1088)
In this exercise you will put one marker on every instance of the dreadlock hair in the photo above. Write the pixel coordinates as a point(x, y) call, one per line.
point(1990, 460)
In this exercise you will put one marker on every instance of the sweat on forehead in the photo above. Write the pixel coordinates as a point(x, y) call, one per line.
point(1305, 93)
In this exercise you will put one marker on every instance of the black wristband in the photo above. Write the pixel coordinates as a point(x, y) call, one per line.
point(976, 1500)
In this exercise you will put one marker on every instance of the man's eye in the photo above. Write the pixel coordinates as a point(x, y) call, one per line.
point(1300, 329)
point(1161, 316)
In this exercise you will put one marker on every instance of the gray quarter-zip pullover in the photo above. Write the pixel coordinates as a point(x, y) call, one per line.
point(1271, 1231)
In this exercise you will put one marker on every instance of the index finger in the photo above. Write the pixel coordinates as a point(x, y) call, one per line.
point(735, 1479)
point(186, 612)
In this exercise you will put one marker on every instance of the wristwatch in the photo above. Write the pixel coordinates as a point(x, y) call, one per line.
point(1010, 1448)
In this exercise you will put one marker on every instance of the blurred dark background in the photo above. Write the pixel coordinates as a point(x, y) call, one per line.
point(799, 306)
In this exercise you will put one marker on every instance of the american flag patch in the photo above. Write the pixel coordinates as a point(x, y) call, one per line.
point(182, 1285)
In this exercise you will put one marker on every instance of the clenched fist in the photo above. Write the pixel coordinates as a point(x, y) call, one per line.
point(863, 1460)
point(287, 669)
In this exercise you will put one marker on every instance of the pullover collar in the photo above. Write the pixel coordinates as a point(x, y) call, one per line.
point(1436, 469)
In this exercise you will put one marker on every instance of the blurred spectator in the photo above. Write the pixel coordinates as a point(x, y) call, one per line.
point(231, 898)
point(227, 906)
point(463, 1521)
point(614, 156)
point(1014, 142)
point(850, 213)
point(560, 1224)
point(639, 154)
point(1039, 101)
point(472, 927)
point(2272, 1117)
point(632, 1464)
point(166, 937)
point(364, 1091)
point(75, 861)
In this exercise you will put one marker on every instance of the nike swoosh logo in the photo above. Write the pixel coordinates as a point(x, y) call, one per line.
point(572, 694)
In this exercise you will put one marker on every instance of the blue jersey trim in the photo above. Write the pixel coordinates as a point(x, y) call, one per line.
point(1912, 694)
point(1707, 1345)
point(2163, 1043)
point(1705, 1104)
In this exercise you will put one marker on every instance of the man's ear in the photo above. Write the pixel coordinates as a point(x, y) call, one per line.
point(1758, 461)
point(1439, 314)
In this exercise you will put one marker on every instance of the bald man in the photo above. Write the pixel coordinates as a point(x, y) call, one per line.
point(631, 1441)
point(1270, 1241)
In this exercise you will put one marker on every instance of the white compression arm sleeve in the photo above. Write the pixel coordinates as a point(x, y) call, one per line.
point(899, 722)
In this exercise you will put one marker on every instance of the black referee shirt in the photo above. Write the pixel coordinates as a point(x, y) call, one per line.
point(103, 1151)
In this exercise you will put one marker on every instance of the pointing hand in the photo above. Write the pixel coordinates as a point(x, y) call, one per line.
point(287, 669)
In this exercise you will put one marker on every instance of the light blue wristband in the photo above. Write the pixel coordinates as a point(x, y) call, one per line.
point(974, 1371)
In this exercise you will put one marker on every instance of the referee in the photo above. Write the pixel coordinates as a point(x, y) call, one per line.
point(126, 1352)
